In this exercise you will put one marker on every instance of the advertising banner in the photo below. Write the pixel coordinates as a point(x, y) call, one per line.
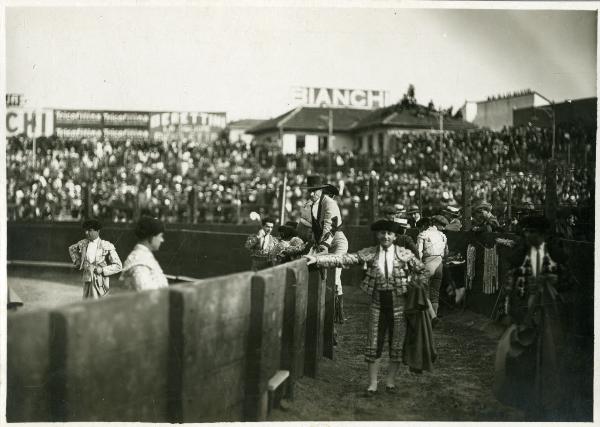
point(198, 126)
point(77, 118)
point(126, 119)
point(329, 97)
point(33, 123)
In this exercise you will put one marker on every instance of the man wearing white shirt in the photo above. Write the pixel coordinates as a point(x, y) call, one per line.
point(96, 258)
point(262, 246)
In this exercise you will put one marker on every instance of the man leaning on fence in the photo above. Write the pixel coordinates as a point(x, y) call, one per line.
point(96, 258)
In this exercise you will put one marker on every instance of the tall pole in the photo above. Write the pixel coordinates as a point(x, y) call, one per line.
point(441, 141)
point(283, 198)
point(329, 141)
point(509, 195)
point(34, 150)
point(553, 130)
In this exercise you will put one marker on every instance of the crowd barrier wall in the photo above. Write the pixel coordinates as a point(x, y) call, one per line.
point(195, 352)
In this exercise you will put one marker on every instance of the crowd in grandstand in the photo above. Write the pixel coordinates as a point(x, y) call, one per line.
point(184, 181)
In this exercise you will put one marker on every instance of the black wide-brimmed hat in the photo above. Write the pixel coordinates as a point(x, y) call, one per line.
point(148, 227)
point(290, 227)
point(316, 182)
point(535, 223)
point(387, 225)
point(91, 224)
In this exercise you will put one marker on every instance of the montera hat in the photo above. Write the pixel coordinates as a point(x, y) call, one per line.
point(148, 227)
point(386, 225)
point(316, 182)
point(290, 227)
point(91, 224)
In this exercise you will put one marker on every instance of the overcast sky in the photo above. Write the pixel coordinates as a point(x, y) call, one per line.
point(245, 60)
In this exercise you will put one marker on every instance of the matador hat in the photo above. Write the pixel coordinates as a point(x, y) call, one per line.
point(91, 224)
point(387, 225)
point(147, 227)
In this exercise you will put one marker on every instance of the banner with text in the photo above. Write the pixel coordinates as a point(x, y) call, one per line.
point(328, 97)
point(31, 122)
point(197, 126)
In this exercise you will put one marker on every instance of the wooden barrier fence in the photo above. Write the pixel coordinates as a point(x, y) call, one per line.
point(195, 352)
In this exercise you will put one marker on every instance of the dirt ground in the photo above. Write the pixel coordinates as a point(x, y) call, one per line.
point(458, 389)
point(48, 287)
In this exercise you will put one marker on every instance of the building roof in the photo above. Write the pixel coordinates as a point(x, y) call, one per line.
point(414, 117)
point(244, 123)
point(312, 119)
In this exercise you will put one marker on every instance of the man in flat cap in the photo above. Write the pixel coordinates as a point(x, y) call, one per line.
point(97, 258)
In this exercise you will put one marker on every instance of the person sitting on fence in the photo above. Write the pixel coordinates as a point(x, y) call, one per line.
point(328, 236)
point(391, 270)
point(97, 258)
point(532, 356)
point(262, 245)
point(141, 270)
point(289, 246)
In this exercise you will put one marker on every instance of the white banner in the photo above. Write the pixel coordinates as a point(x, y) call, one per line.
point(33, 123)
point(329, 97)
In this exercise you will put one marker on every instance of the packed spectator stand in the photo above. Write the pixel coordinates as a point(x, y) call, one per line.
point(184, 181)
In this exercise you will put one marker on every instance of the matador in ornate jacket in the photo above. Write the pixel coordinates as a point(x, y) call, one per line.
point(96, 258)
point(392, 271)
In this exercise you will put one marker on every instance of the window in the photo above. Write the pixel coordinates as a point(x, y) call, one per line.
point(323, 143)
point(300, 142)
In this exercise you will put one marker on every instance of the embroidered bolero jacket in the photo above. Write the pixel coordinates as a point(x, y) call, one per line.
point(407, 270)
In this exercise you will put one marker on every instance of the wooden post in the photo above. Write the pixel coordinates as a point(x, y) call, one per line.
point(465, 183)
point(509, 195)
point(294, 324)
point(373, 196)
point(328, 325)
point(419, 199)
point(315, 311)
point(551, 199)
point(283, 198)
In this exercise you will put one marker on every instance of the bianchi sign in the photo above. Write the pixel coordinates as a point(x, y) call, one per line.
point(328, 97)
